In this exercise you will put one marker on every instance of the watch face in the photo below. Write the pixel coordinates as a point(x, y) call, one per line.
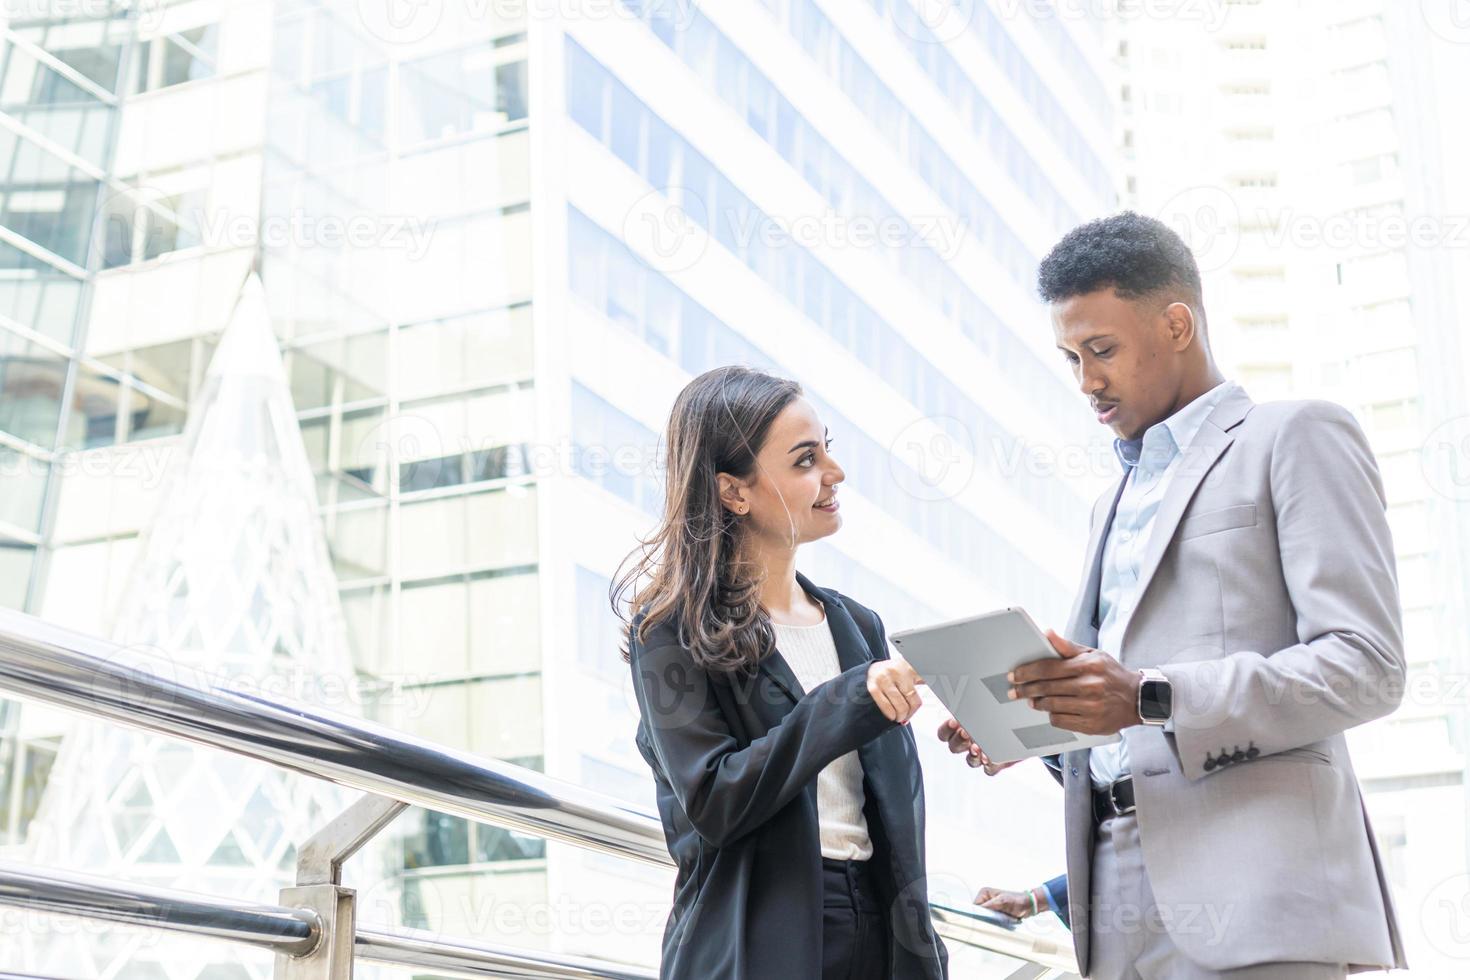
point(1156, 700)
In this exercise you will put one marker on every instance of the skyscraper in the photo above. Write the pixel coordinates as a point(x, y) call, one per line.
point(495, 241)
point(1322, 201)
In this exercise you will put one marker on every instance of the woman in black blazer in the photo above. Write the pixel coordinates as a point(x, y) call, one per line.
point(795, 812)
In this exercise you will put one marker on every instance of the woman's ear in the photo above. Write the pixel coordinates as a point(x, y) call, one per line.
point(733, 494)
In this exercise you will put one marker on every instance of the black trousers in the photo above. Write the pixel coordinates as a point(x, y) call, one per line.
point(855, 932)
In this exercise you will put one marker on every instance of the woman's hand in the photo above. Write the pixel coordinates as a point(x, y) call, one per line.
point(894, 688)
point(959, 741)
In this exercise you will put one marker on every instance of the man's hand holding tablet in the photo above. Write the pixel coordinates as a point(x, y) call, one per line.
point(1014, 691)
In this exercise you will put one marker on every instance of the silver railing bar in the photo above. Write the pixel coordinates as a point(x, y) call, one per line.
point(271, 927)
point(43, 662)
point(980, 930)
point(458, 957)
point(280, 928)
point(61, 667)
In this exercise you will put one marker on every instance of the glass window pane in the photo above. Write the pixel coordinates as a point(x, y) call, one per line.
point(504, 624)
point(494, 529)
point(44, 198)
point(486, 347)
point(16, 559)
point(31, 382)
point(24, 479)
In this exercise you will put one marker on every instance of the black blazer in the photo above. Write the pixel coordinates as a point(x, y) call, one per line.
point(736, 761)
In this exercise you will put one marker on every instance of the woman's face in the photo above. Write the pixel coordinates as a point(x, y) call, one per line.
point(791, 496)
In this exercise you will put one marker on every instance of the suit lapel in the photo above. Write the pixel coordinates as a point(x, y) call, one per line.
point(775, 667)
point(1213, 438)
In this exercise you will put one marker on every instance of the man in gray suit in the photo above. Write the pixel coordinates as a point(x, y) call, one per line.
point(1238, 613)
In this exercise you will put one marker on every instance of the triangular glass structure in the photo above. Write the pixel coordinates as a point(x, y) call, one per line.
point(233, 580)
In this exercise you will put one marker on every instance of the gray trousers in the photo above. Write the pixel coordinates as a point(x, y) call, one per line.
point(1130, 937)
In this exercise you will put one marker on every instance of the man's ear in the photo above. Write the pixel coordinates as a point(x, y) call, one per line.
point(1182, 324)
point(733, 494)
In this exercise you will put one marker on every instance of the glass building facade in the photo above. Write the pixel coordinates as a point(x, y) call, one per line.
point(483, 340)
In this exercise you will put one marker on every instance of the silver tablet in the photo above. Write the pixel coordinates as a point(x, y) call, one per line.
point(965, 662)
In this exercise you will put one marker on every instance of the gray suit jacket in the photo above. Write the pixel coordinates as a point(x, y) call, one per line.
point(1268, 596)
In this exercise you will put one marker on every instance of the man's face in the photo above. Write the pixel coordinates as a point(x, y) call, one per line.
point(1123, 355)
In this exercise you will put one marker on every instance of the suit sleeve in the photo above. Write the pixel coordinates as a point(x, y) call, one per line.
point(725, 790)
point(1056, 892)
point(1337, 558)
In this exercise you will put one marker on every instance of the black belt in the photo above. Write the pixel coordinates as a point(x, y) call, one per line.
point(1113, 800)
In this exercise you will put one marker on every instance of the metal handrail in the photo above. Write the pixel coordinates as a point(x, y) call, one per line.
point(271, 927)
point(43, 662)
point(978, 928)
point(68, 669)
point(279, 928)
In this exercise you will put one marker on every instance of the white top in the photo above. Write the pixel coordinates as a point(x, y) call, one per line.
point(812, 657)
point(1151, 463)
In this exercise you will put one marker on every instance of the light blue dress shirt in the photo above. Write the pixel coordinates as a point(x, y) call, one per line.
point(1150, 464)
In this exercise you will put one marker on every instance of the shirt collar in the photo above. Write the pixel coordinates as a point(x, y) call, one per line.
point(1173, 436)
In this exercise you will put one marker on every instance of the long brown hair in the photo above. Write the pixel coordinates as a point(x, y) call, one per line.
point(693, 570)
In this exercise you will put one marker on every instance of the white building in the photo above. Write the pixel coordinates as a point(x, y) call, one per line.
point(1325, 198)
point(494, 249)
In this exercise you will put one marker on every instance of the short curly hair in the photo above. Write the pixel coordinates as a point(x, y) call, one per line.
point(1136, 255)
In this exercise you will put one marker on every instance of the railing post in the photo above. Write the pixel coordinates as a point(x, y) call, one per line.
point(319, 888)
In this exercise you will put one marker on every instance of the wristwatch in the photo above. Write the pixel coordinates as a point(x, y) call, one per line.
point(1155, 697)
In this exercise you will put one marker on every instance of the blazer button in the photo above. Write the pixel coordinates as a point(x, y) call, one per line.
point(1210, 763)
point(1237, 755)
point(1224, 756)
point(1252, 752)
